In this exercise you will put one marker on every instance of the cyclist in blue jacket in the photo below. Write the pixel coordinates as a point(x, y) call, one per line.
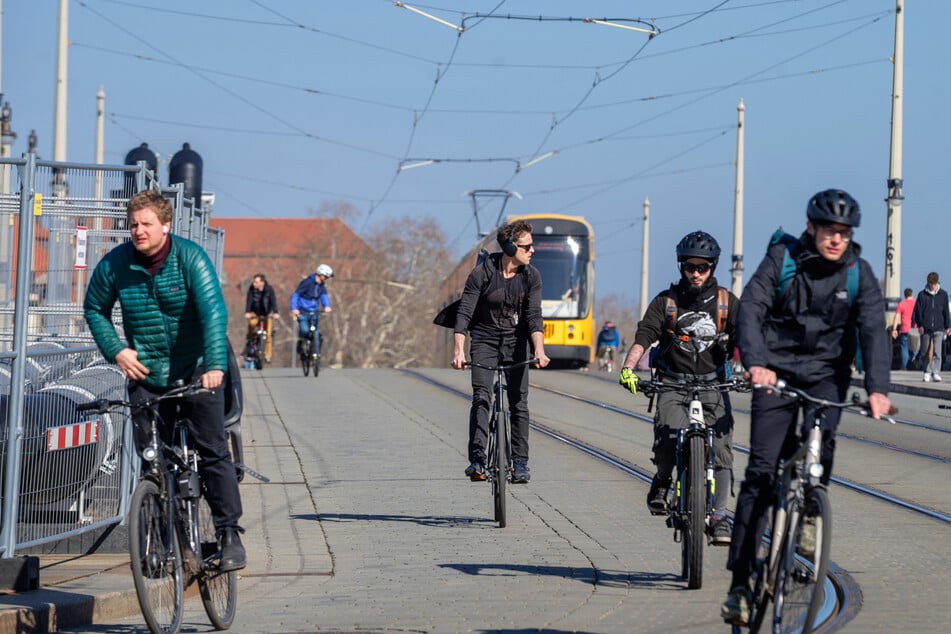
point(308, 300)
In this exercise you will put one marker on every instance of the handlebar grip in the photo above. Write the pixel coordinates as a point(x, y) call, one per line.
point(99, 406)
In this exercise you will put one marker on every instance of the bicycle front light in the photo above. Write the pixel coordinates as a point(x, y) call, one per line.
point(815, 472)
point(150, 453)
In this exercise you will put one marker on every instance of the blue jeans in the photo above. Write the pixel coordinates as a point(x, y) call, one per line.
point(303, 326)
point(903, 348)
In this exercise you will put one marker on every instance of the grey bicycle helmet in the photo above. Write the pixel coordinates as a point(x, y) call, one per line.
point(325, 270)
point(834, 205)
point(698, 244)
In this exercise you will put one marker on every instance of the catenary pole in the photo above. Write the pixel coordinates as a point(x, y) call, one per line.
point(895, 195)
point(644, 255)
point(737, 269)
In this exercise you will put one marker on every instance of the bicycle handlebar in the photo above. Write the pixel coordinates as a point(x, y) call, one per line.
point(102, 405)
point(654, 386)
point(496, 368)
point(785, 390)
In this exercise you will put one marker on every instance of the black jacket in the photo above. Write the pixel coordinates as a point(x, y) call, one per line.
point(690, 348)
point(931, 311)
point(490, 304)
point(261, 302)
point(807, 333)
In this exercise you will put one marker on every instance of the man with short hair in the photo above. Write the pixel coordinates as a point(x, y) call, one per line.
point(261, 303)
point(901, 325)
point(934, 323)
point(175, 324)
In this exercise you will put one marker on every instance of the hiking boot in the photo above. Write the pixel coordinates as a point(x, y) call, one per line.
point(657, 496)
point(520, 474)
point(927, 377)
point(807, 537)
point(475, 471)
point(232, 552)
point(736, 608)
point(722, 532)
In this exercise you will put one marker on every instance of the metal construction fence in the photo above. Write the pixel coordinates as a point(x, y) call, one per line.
point(62, 473)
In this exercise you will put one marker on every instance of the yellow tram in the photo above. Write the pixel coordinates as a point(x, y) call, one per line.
point(564, 254)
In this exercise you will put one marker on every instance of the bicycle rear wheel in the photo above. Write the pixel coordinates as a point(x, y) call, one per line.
point(219, 590)
point(155, 559)
point(803, 588)
point(696, 495)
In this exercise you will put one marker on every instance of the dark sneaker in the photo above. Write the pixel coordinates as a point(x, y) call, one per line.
point(657, 496)
point(736, 608)
point(232, 552)
point(475, 472)
point(520, 472)
point(722, 532)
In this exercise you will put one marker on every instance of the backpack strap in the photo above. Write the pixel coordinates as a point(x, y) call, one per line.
point(670, 309)
point(852, 281)
point(723, 308)
point(787, 270)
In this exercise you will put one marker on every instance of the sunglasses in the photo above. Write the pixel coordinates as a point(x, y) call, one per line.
point(527, 247)
point(690, 267)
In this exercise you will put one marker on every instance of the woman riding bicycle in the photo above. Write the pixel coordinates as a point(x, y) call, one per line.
point(803, 334)
point(308, 300)
point(694, 323)
point(501, 311)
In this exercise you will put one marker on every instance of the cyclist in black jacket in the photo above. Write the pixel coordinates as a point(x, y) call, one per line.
point(805, 335)
point(501, 309)
point(694, 323)
point(261, 303)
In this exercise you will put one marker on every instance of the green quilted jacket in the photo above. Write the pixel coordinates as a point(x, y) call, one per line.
point(162, 316)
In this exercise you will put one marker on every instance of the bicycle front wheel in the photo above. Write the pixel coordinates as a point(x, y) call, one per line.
point(696, 496)
point(804, 586)
point(155, 558)
point(305, 363)
point(219, 590)
point(498, 459)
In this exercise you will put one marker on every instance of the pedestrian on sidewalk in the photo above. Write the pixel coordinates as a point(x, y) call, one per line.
point(901, 325)
point(934, 323)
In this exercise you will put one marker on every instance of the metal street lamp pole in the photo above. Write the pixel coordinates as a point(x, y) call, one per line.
point(895, 195)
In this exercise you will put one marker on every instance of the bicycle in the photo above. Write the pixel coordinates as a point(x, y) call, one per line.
point(790, 569)
point(308, 348)
point(172, 538)
point(691, 512)
point(498, 468)
point(606, 359)
point(257, 345)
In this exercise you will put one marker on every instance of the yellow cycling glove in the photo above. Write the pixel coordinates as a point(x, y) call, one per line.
point(628, 380)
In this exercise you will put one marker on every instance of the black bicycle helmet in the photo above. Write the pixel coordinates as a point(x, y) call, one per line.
point(698, 244)
point(834, 205)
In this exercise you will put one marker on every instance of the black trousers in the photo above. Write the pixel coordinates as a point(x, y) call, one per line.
point(774, 434)
point(206, 413)
point(498, 351)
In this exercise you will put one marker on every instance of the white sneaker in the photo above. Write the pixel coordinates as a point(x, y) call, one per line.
point(927, 377)
point(936, 378)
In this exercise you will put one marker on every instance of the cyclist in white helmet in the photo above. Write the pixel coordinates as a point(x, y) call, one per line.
point(308, 300)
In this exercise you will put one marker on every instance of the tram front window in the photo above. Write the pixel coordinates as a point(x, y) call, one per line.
point(562, 261)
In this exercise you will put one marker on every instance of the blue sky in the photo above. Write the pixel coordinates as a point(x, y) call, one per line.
point(297, 104)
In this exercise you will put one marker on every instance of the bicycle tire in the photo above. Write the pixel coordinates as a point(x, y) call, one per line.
point(802, 590)
point(694, 533)
point(501, 472)
point(316, 366)
point(219, 590)
point(305, 363)
point(156, 565)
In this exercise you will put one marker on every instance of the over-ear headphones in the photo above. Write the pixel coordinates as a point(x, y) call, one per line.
point(509, 247)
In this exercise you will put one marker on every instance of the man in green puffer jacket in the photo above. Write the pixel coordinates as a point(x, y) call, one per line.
point(175, 321)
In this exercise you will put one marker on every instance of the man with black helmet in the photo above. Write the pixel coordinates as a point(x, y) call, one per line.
point(803, 330)
point(694, 322)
